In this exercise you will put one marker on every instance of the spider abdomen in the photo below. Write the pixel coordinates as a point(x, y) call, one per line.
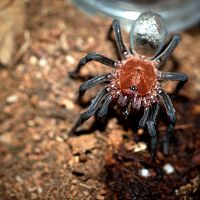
point(137, 76)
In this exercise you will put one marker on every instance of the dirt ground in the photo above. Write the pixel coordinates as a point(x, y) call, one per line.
point(111, 161)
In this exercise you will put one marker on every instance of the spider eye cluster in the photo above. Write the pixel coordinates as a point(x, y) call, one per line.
point(148, 35)
point(133, 88)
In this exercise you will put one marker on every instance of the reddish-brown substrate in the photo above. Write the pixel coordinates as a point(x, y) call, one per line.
point(37, 108)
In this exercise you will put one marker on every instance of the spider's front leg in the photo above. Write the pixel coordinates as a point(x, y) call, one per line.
point(174, 76)
point(92, 109)
point(91, 83)
point(123, 51)
point(92, 57)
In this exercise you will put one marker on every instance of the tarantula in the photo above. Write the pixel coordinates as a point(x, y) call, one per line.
point(135, 82)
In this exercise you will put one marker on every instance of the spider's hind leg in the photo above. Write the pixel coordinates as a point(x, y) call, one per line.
point(143, 120)
point(151, 127)
point(171, 113)
point(163, 56)
point(104, 109)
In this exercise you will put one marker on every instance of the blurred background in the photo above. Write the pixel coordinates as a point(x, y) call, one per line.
point(178, 14)
point(40, 42)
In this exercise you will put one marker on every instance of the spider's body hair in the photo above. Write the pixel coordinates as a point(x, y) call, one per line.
point(135, 81)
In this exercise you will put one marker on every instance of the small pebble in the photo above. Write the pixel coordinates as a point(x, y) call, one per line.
point(67, 103)
point(70, 59)
point(12, 98)
point(33, 60)
point(140, 131)
point(34, 196)
point(141, 146)
point(38, 75)
point(19, 179)
point(40, 190)
point(91, 40)
point(86, 193)
point(42, 62)
point(30, 122)
point(36, 137)
point(168, 168)
point(59, 139)
point(79, 42)
point(7, 138)
point(144, 172)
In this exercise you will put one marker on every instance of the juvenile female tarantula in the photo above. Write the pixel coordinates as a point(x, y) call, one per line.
point(135, 81)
